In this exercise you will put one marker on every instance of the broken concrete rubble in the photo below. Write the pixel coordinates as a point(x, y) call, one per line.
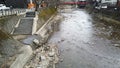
point(22, 47)
point(36, 42)
point(44, 59)
point(46, 55)
point(116, 45)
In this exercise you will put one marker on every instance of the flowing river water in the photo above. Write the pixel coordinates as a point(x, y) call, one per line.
point(86, 43)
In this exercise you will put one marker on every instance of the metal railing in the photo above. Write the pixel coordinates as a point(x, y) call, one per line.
point(12, 12)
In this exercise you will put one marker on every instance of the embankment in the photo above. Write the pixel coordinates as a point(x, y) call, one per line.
point(14, 50)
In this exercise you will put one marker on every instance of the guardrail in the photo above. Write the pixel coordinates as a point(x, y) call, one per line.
point(12, 12)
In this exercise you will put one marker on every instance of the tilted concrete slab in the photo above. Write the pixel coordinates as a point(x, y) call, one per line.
point(25, 26)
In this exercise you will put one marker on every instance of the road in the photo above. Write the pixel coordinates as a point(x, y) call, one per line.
point(86, 43)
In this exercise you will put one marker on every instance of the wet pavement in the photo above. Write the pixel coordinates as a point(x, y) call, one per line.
point(87, 43)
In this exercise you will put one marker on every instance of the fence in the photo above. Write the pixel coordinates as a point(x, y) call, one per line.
point(12, 12)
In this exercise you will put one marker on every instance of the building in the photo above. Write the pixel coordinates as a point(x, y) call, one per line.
point(1, 1)
point(15, 3)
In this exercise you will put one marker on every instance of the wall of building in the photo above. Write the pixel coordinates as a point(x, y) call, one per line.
point(1, 1)
point(16, 3)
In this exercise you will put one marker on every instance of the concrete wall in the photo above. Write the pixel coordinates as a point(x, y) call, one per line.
point(8, 48)
point(8, 24)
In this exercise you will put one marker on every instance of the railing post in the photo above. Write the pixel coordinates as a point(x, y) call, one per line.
point(2, 12)
point(11, 11)
point(7, 12)
point(16, 12)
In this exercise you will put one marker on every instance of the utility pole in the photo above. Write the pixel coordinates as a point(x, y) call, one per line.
point(4, 1)
point(37, 5)
point(76, 3)
point(37, 2)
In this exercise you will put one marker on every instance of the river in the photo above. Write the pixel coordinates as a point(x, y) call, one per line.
point(86, 43)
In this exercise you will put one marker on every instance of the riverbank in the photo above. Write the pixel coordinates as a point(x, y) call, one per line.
point(110, 17)
point(26, 46)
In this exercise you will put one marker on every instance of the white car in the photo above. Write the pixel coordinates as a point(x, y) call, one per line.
point(102, 6)
point(3, 7)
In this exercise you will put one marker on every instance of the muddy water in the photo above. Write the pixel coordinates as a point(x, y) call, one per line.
point(86, 43)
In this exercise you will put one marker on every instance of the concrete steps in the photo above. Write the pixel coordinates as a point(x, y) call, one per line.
point(27, 25)
point(30, 14)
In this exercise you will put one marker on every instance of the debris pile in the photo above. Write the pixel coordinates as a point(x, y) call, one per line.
point(44, 57)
